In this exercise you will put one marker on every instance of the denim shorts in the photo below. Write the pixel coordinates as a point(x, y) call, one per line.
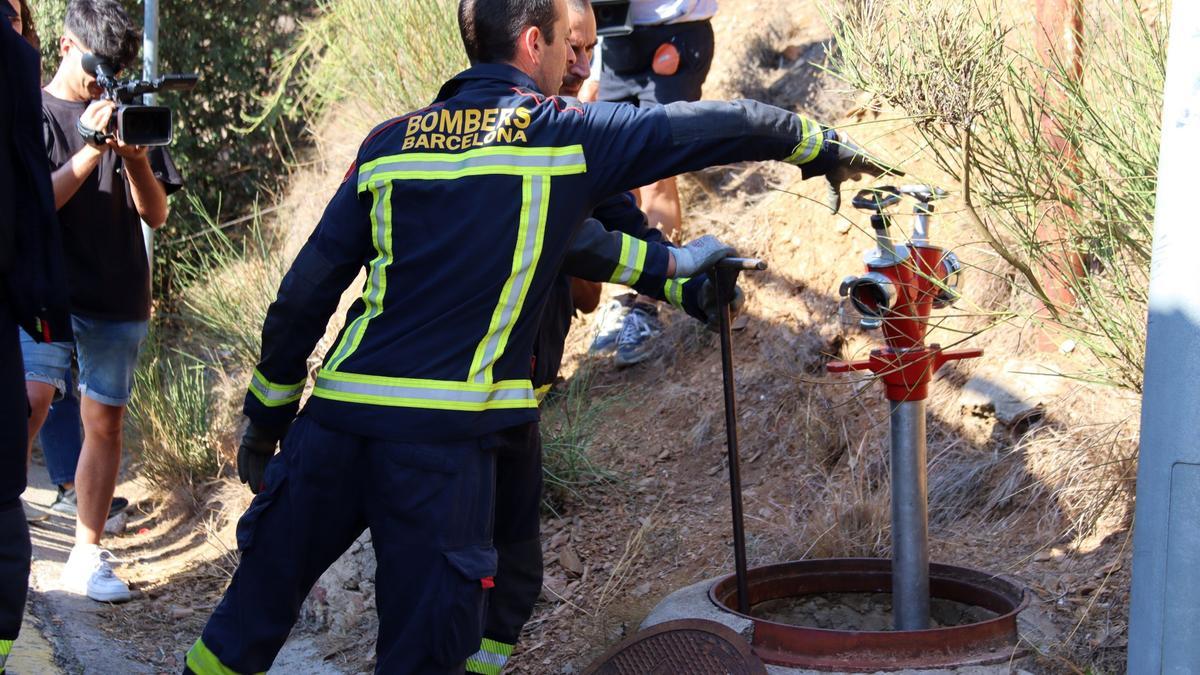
point(107, 352)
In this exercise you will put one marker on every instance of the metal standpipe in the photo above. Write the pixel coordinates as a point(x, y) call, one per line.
point(910, 517)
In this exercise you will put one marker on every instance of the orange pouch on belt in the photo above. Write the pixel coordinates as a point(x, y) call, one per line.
point(666, 59)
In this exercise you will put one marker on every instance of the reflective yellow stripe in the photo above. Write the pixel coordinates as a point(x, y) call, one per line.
point(274, 395)
point(503, 160)
point(673, 290)
point(204, 662)
point(490, 659)
point(633, 261)
point(5, 650)
point(540, 392)
point(535, 202)
point(381, 232)
point(405, 392)
point(807, 149)
point(535, 166)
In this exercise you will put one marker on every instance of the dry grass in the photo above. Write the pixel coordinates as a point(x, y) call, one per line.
point(981, 101)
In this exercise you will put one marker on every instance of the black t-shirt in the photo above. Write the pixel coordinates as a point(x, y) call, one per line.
point(107, 272)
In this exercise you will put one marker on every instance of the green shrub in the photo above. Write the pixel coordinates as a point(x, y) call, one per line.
point(385, 57)
point(977, 96)
point(226, 286)
point(570, 419)
point(234, 47)
point(171, 413)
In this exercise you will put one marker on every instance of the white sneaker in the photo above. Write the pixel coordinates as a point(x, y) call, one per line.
point(89, 572)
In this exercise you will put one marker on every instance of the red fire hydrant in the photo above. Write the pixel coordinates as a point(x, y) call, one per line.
point(902, 285)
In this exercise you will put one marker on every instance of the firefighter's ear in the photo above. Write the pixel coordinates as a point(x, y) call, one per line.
point(530, 44)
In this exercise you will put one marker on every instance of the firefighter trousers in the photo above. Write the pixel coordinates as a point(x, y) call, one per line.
point(14, 533)
point(429, 507)
point(518, 542)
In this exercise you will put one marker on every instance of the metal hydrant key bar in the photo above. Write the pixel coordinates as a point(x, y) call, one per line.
point(726, 274)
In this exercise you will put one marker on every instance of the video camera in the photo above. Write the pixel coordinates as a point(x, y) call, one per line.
point(612, 17)
point(137, 123)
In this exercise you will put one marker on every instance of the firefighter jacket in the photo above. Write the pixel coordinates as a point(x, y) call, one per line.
point(618, 214)
point(462, 214)
point(32, 276)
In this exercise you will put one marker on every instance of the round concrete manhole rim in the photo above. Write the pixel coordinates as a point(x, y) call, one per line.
point(980, 643)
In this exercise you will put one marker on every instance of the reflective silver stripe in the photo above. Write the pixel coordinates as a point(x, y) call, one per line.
point(673, 290)
point(807, 150)
point(496, 661)
point(272, 394)
point(633, 249)
point(453, 396)
point(487, 163)
point(519, 280)
point(376, 281)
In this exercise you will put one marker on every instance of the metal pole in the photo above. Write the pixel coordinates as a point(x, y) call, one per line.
point(910, 517)
point(725, 283)
point(1165, 604)
point(149, 71)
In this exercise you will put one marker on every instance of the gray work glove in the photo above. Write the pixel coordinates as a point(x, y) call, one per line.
point(699, 255)
point(841, 160)
point(712, 308)
point(257, 447)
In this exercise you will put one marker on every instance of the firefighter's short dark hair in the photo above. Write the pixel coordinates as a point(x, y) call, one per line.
point(490, 28)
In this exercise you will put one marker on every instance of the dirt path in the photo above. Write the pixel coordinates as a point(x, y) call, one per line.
point(68, 633)
point(69, 622)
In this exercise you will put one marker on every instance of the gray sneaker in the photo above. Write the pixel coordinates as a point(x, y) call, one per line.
point(33, 514)
point(67, 503)
point(612, 318)
point(635, 343)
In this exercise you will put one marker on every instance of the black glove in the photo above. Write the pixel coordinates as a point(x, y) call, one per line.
point(257, 448)
point(711, 307)
point(841, 160)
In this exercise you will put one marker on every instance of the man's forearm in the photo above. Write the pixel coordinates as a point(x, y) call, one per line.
point(68, 178)
point(149, 196)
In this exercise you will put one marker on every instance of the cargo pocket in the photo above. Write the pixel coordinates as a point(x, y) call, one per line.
point(469, 572)
point(248, 523)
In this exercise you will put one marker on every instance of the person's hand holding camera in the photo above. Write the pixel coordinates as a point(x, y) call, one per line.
point(128, 151)
point(93, 123)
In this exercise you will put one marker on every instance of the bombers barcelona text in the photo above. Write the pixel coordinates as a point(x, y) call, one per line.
point(464, 129)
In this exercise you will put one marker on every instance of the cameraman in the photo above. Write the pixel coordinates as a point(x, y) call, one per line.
point(102, 190)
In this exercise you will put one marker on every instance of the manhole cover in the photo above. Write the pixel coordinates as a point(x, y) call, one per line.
point(688, 646)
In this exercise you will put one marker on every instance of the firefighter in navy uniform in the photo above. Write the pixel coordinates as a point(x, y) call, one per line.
point(517, 536)
point(33, 295)
point(462, 214)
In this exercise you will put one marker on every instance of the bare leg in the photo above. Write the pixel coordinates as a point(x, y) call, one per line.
point(99, 463)
point(41, 395)
point(660, 201)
